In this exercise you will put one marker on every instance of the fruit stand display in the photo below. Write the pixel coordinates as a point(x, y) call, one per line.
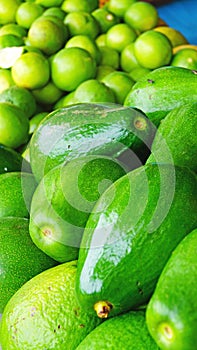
point(98, 185)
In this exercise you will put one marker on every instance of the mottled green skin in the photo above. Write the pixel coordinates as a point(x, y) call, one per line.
point(86, 129)
point(177, 137)
point(174, 302)
point(64, 200)
point(139, 221)
point(44, 314)
point(20, 259)
point(16, 191)
point(11, 160)
point(126, 331)
point(161, 90)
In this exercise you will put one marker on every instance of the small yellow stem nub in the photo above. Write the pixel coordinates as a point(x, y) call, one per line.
point(102, 308)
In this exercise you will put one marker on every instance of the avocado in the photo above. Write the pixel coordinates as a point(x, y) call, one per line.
point(16, 191)
point(176, 137)
point(128, 238)
point(11, 160)
point(161, 90)
point(63, 200)
point(171, 314)
point(20, 259)
point(126, 331)
point(86, 129)
point(44, 313)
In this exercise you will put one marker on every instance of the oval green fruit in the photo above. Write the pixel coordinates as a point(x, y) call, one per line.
point(44, 313)
point(20, 259)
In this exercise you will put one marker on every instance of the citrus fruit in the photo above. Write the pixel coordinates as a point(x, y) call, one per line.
point(119, 36)
point(11, 161)
point(79, 22)
point(47, 313)
point(49, 3)
point(7, 40)
point(71, 66)
point(101, 40)
point(8, 10)
point(13, 28)
point(55, 11)
point(35, 120)
point(86, 43)
point(79, 5)
point(102, 70)
point(48, 33)
point(14, 125)
point(20, 97)
point(138, 72)
point(119, 7)
point(141, 15)
point(128, 60)
point(186, 58)
point(66, 100)
point(153, 49)
point(105, 19)
point(109, 57)
point(92, 90)
point(176, 37)
point(5, 79)
point(120, 83)
point(27, 12)
point(31, 70)
point(48, 94)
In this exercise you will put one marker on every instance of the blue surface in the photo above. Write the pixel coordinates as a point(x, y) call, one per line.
point(181, 15)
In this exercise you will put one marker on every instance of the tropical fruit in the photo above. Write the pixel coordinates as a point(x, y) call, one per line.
point(171, 311)
point(20, 259)
point(63, 201)
point(127, 331)
point(85, 129)
point(44, 313)
point(176, 138)
point(16, 191)
point(136, 224)
point(161, 90)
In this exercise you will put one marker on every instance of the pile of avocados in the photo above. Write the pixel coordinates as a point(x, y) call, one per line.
point(98, 230)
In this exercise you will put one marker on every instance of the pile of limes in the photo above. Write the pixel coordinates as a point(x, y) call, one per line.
point(72, 51)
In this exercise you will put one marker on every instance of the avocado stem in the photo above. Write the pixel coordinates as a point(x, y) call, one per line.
point(102, 308)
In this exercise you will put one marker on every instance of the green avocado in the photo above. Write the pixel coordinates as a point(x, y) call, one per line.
point(86, 129)
point(16, 191)
point(134, 227)
point(63, 201)
point(20, 259)
point(126, 331)
point(161, 90)
point(172, 310)
point(11, 160)
point(176, 137)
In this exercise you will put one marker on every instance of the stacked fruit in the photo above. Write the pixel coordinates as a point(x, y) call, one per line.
point(98, 199)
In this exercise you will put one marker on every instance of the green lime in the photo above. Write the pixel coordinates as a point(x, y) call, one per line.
point(92, 91)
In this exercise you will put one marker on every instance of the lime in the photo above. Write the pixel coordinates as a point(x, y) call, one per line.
point(35, 120)
point(119, 36)
point(86, 43)
point(13, 28)
point(102, 70)
point(176, 38)
point(101, 40)
point(55, 11)
point(48, 94)
point(92, 91)
point(5, 79)
point(46, 312)
point(66, 100)
point(27, 12)
point(105, 19)
point(49, 3)
point(20, 97)
point(109, 57)
point(14, 125)
point(82, 23)
point(138, 72)
point(186, 58)
point(119, 7)
point(7, 40)
point(153, 49)
point(142, 16)
point(31, 70)
point(79, 5)
point(120, 83)
point(8, 10)
point(71, 66)
point(128, 60)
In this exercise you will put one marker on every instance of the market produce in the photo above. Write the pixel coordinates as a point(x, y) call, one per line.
point(137, 218)
point(170, 314)
point(63, 201)
point(11, 160)
point(20, 259)
point(176, 137)
point(97, 129)
point(44, 313)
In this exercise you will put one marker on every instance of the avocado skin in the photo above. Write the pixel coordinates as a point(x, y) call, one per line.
point(174, 300)
point(161, 90)
point(126, 331)
point(86, 129)
point(20, 259)
point(125, 248)
point(176, 137)
point(16, 191)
